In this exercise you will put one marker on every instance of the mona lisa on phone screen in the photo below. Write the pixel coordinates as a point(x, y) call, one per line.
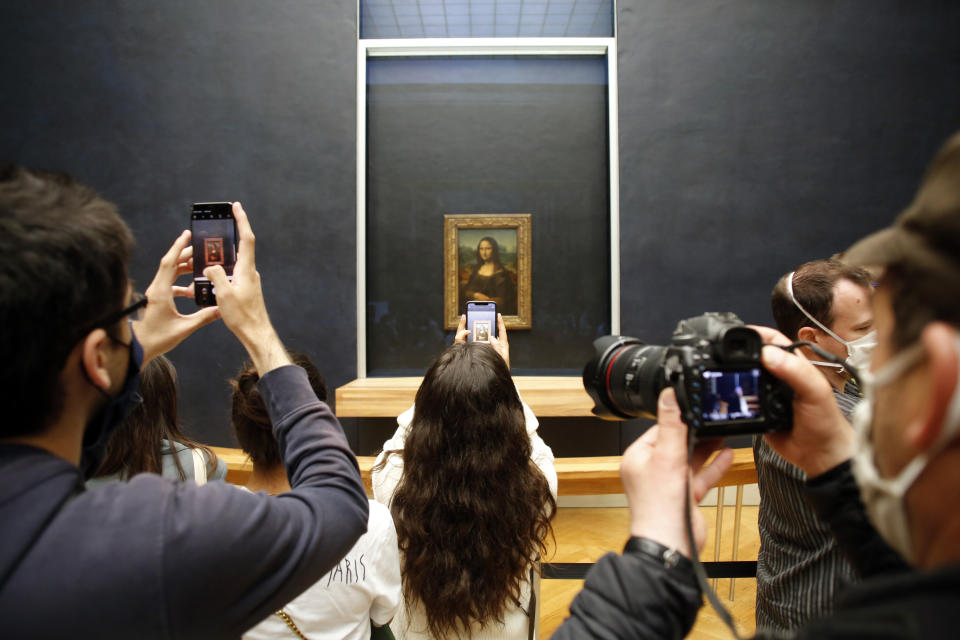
point(481, 320)
point(214, 233)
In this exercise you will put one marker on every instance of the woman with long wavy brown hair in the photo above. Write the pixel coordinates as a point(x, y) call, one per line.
point(472, 490)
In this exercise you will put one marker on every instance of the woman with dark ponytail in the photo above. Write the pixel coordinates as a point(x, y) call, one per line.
point(359, 596)
point(472, 489)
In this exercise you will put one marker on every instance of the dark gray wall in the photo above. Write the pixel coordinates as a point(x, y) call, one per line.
point(753, 135)
point(158, 105)
point(757, 135)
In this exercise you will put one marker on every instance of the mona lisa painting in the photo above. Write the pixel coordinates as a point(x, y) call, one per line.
point(487, 257)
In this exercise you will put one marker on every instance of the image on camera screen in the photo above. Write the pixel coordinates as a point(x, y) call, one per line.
point(731, 395)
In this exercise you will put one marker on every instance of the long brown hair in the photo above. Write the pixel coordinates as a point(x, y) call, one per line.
point(135, 447)
point(472, 510)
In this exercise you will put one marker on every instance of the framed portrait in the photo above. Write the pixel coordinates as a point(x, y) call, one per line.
point(487, 257)
point(212, 251)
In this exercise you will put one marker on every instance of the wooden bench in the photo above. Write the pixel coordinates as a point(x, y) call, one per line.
point(575, 476)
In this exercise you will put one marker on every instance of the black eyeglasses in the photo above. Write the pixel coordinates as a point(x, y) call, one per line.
point(138, 302)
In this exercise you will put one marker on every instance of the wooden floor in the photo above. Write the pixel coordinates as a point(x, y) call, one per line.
point(585, 534)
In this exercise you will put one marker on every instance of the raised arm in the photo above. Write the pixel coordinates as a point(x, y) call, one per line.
point(231, 558)
point(241, 302)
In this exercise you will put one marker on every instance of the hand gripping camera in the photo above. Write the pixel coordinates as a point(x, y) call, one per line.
point(713, 363)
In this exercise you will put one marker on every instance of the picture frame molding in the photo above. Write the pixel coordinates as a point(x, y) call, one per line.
point(452, 224)
point(427, 47)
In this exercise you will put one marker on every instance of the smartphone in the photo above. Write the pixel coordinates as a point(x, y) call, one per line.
point(481, 320)
point(214, 234)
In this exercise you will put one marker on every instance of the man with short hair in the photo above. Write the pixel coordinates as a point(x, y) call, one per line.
point(827, 303)
point(800, 568)
point(887, 488)
point(148, 558)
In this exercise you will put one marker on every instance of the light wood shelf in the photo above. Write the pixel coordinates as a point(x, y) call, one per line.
point(548, 396)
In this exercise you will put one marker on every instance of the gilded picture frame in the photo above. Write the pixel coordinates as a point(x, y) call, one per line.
point(488, 256)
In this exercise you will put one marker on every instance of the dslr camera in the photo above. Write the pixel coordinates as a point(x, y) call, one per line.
point(713, 363)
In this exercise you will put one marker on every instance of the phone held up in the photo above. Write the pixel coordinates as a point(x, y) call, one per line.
point(481, 320)
point(214, 233)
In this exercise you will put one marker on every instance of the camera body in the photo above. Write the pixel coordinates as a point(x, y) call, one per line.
point(712, 362)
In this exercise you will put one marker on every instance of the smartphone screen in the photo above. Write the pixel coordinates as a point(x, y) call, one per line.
point(214, 234)
point(481, 320)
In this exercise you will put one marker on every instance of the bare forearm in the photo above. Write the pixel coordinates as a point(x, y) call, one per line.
point(265, 348)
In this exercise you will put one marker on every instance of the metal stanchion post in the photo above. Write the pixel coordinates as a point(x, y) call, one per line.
point(716, 539)
point(736, 532)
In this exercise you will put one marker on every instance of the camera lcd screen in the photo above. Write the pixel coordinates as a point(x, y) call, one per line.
point(731, 395)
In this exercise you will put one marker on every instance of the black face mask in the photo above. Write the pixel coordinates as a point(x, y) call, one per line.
point(112, 415)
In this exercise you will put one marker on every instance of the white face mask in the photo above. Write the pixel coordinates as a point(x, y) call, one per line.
point(859, 351)
point(883, 497)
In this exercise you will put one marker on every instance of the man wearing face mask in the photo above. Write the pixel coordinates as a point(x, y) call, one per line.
point(827, 303)
point(148, 558)
point(800, 568)
point(887, 488)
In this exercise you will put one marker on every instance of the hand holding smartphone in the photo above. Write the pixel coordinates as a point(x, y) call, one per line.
point(214, 233)
point(481, 320)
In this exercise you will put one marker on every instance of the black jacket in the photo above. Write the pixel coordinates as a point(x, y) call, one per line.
point(635, 596)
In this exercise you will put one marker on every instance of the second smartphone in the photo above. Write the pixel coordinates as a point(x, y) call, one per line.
point(481, 320)
point(214, 233)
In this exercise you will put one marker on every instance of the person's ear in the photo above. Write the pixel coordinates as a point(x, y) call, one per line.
point(939, 341)
point(807, 334)
point(93, 358)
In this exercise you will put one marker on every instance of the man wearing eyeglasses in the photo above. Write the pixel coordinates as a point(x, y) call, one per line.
point(887, 488)
point(149, 558)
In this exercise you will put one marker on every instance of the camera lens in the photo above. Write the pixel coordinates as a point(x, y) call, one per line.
point(624, 378)
point(714, 363)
